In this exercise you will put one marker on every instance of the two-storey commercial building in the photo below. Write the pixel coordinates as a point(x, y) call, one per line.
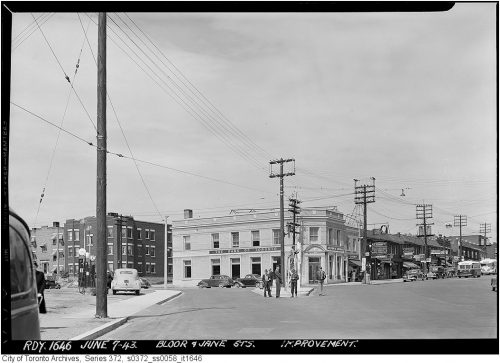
point(240, 244)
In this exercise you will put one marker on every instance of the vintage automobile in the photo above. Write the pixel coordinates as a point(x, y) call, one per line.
point(413, 275)
point(251, 280)
point(431, 275)
point(469, 269)
point(219, 281)
point(439, 271)
point(24, 297)
point(126, 279)
point(145, 284)
point(51, 284)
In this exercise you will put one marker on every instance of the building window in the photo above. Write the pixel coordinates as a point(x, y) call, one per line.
point(235, 238)
point(124, 232)
point(152, 251)
point(147, 250)
point(139, 233)
point(313, 234)
point(215, 266)
point(70, 251)
point(110, 231)
point(110, 249)
point(339, 239)
point(124, 250)
point(187, 242)
point(44, 248)
point(130, 250)
point(70, 235)
point(147, 233)
point(110, 266)
point(77, 234)
point(139, 267)
point(276, 236)
point(148, 267)
point(54, 242)
point(129, 232)
point(255, 238)
point(215, 240)
point(153, 268)
point(70, 267)
point(330, 236)
point(187, 269)
point(152, 235)
point(256, 269)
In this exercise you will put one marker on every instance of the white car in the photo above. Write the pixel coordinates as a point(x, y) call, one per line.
point(126, 279)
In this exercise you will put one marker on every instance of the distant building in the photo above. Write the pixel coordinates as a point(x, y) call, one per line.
point(130, 243)
point(241, 244)
point(492, 250)
point(46, 242)
point(473, 247)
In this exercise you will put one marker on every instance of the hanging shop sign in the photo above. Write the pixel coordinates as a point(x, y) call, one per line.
point(241, 250)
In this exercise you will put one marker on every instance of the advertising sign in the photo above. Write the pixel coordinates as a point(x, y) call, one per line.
point(363, 264)
point(408, 251)
point(241, 250)
point(379, 248)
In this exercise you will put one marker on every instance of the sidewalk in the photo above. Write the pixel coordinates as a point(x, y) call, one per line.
point(71, 315)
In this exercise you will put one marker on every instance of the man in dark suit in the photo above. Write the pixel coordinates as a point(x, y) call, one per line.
point(266, 280)
point(277, 276)
point(40, 286)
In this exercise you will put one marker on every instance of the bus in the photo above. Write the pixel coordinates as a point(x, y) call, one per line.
point(488, 266)
point(469, 268)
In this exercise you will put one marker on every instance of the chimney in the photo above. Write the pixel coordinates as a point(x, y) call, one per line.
point(55, 224)
point(188, 213)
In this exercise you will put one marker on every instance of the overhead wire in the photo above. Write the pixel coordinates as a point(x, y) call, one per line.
point(21, 38)
point(59, 131)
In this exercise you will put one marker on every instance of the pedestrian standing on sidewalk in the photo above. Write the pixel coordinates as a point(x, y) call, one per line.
point(266, 278)
point(277, 276)
point(40, 286)
point(321, 278)
point(293, 279)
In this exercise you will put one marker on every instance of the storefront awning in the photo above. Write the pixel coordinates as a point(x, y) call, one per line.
point(355, 263)
point(409, 265)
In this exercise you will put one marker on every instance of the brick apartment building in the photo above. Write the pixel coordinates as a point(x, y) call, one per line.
point(46, 242)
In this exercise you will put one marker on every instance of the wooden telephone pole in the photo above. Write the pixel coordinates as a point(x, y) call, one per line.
point(364, 194)
point(101, 255)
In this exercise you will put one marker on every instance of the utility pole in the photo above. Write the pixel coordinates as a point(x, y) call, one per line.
point(460, 221)
point(281, 175)
point(485, 228)
point(364, 194)
point(424, 211)
point(119, 241)
point(101, 255)
point(165, 257)
point(57, 259)
point(292, 228)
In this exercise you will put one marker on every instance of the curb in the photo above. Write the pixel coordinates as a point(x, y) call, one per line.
point(112, 325)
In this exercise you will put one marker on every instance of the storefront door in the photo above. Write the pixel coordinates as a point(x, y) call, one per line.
point(235, 268)
point(314, 265)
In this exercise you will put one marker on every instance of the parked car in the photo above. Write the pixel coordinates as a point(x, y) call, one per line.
point(145, 284)
point(251, 280)
point(413, 274)
point(439, 271)
point(219, 281)
point(431, 275)
point(24, 299)
point(51, 284)
point(126, 279)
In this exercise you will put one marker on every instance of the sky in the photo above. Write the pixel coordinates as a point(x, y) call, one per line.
point(204, 101)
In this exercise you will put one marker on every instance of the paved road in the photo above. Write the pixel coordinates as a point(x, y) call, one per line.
point(435, 309)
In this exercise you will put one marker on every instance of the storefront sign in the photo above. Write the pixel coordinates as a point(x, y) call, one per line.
point(352, 257)
point(379, 248)
point(335, 248)
point(419, 257)
point(363, 264)
point(438, 252)
point(408, 251)
point(241, 250)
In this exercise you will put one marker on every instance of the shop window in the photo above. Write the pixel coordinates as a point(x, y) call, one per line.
point(256, 265)
point(215, 266)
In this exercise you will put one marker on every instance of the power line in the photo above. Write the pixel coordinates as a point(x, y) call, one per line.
point(20, 39)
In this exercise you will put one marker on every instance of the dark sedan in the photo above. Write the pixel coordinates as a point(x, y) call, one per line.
point(145, 284)
point(218, 281)
point(51, 284)
point(251, 280)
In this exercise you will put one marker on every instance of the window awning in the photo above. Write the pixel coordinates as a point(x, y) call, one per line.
point(355, 263)
point(409, 265)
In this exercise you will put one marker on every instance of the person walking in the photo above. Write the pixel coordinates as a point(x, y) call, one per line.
point(293, 280)
point(40, 286)
point(277, 276)
point(321, 279)
point(266, 282)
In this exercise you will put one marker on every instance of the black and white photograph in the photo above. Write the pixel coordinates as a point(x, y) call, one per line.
point(250, 178)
